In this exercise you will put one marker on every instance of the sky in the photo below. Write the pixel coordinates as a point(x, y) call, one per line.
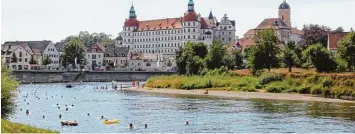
point(56, 19)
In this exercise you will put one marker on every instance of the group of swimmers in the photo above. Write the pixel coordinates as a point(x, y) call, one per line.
point(101, 87)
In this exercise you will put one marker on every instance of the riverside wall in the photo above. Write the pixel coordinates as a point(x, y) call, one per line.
point(64, 76)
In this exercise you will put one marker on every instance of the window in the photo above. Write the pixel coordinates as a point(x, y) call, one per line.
point(230, 33)
point(88, 55)
point(230, 39)
point(193, 30)
point(25, 59)
point(20, 54)
point(94, 56)
point(188, 36)
point(193, 23)
point(99, 57)
point(188, 24)
point(188, 30)
point(222, 33)
point(193, 36)
point(20, 59)
point(94, 61)
point(230, 27)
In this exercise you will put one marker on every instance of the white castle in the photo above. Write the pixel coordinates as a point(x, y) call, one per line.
point(165, 36)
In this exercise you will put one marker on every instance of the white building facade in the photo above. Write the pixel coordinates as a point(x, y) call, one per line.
point(165, 36)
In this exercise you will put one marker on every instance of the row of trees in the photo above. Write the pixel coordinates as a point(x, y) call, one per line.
point(268, 53)
point(195, 58)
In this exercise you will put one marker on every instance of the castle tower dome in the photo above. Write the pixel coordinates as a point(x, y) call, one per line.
point(285, 13)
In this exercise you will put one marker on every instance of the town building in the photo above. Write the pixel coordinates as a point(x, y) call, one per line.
point(164, 36)
point(282, 25)
point(94, 56)
point(17, 56)
point(333, 40)
point(40, 51)
point(116, 58)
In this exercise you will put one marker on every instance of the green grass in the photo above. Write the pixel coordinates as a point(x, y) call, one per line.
point(317, 84)
point(10, 127)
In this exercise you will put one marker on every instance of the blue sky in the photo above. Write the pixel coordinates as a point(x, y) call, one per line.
point(56, 19)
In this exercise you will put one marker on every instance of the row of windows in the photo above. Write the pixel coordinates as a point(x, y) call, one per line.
point(51, 55)
point(93, 56)
point(157, 51)
point(159, 45)
point(163, 32)
point(162, 38)
point(51, 49)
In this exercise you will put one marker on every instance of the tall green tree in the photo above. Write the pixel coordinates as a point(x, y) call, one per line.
point(289, 55)
point(314, 34)
point(238, 59)
point(216, 55)
point(8, 86)
point(74, 49)
point(89, 39)
point(180, 61)
point(347, 50)
point(199, 49)
point(320, 58)
point(266, 52)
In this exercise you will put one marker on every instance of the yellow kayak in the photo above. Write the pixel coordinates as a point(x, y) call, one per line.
point(111, 121)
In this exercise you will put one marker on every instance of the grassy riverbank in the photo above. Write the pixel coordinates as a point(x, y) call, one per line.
point(10, 127)
point(327, 85)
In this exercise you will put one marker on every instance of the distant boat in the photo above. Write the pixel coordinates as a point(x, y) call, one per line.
point(69, 86)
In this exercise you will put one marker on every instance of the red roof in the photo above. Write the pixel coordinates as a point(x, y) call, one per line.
point(169, 23)
point(334, 38)
point(131, 22)
point(245, 42)
point(190, 16)
point(204, 25)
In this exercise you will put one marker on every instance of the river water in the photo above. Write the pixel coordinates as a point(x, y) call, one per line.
point(168, 113)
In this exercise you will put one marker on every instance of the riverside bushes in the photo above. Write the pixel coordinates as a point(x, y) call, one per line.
point(327, 86)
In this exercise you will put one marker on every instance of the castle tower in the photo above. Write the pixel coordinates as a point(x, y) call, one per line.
point(285, 13)
point(191, 23)
point(129, 26)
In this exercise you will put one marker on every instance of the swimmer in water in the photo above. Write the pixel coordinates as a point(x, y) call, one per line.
point(102, 117)
point(27, 112)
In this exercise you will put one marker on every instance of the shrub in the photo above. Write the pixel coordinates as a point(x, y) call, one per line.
point(304, 90)
point(276, 87)
point(317, 89)
point(270, 77)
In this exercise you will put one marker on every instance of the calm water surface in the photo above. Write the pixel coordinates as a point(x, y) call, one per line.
point(168, 113)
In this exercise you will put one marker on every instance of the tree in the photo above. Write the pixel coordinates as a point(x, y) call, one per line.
point(266, 51)
point(289, 55)
point(347, 50)
point(216, 55)
point(319, 58)
point(89, 39)
point(14, 58)
point(32, 60)
point(8, 86)
point(47, 61)
point(74, 49)
point(238, 59)
point(200, 49)
point(181, 61)
point(314, 34)
point(339, 29)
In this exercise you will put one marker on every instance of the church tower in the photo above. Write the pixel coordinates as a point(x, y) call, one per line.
point(285, 13)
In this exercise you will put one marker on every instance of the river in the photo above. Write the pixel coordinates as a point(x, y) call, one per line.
point(168, 113)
